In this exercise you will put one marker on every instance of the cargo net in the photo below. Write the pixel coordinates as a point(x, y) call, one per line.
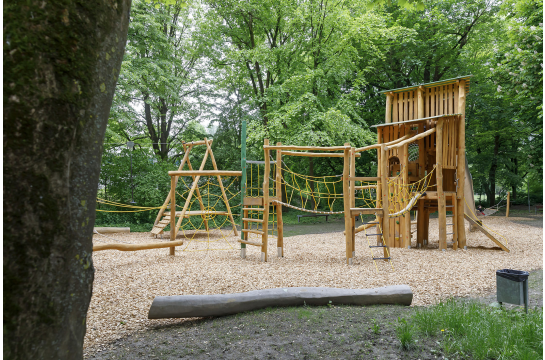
point(208, 221)
point(402, 197)
point(312, 194)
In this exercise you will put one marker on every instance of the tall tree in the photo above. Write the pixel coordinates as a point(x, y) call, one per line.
point(159, 75)
point(61, 62)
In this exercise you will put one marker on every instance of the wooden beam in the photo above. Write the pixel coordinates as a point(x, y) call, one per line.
point(205, 173)
point(461, 165)
point(309, 154)
point(412, 139)
point(279, 220)
point(440, 194)
point(173, 217)
point(111, 230)
point(366, 211)
point(363, 178)
point(388, 108)
point(136, 247)
point(266, 203)
point(353, 198)
point(307, 148)
point(346, 203)
point(486, 232)
point(384, 183)
point(377, 146)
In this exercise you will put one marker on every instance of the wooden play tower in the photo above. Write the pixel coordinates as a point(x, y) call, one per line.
point(424, 134)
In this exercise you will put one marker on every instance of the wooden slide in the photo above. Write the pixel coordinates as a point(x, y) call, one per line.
point(469, 210)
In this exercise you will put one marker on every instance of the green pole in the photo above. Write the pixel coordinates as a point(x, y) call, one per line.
point(243, 182)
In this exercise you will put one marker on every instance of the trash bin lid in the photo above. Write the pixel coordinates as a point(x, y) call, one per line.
point(514, 275)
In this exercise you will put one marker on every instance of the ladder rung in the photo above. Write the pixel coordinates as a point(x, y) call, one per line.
point(253, 231)
point(254, 209)
point(450, 224)
point(386, 258)
point(375, 222)
point(449, 206)
point(377, 246)
point(372, 234)
point(252, 220)
point(450, 215)
point(250, 243)
point(450, 233)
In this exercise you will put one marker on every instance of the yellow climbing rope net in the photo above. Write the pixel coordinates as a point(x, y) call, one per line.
point(311, 193)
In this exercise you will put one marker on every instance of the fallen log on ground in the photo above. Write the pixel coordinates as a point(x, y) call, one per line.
point(185, 306)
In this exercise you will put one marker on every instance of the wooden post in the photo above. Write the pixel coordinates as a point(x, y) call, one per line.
point(440, 194)
point(406, 219)
point(167, 200)
point(280, 222)
point(508, 202)
point(420, 218)
point(385, 211)
point(199, 197)
point(388, 108)
point(189, 196)
point(461, 164)
point(173, 181)
point(223, 194)
point(454, 220)
point(353, 197)
point(422, 155)
point(346, 202)
point(265, 229)
point(243, 213)
point(380, 219)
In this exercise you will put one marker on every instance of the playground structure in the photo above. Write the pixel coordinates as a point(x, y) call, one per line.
point(421, 166)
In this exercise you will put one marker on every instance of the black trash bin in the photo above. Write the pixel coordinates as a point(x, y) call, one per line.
point(512, 287)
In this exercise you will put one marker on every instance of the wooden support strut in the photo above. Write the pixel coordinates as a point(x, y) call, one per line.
point(461, 162)
point(353, 198)
point(266, 203)
point(384, 182)
point(346, 201)
point(440, 194)
point(279, 220)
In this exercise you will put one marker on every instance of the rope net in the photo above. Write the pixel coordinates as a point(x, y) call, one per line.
point(313, 194)
point(207, 225)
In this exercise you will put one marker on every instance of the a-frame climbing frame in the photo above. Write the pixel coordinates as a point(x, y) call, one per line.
point(164, 217)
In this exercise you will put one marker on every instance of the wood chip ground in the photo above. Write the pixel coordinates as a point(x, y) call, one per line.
point(126, 282)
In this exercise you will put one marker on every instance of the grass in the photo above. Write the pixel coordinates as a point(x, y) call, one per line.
point(405, 334)
point(482, 331)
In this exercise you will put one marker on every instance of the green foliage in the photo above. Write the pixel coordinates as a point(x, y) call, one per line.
point(481, 331)
point(404, 332)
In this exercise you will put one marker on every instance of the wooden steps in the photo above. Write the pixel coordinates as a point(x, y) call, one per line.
point(253, 220)
point(250, 242)
point(253, 231)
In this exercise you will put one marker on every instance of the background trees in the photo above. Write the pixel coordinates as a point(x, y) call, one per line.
point(310, 73)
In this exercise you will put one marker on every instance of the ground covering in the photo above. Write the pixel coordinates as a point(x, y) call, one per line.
point(127, 282)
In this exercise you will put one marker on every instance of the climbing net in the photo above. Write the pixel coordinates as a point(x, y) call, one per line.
point(402, 197)
point(311, 193)
point(207, 223)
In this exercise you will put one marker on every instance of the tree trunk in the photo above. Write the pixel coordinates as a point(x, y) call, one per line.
point(492, 172)
point(61, 62)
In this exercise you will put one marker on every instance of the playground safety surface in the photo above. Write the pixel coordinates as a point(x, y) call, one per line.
point(126, 282)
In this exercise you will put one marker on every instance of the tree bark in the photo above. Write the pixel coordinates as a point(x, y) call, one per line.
point(61, 63)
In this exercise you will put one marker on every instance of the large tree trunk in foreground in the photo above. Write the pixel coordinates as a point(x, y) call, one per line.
point(61, 61)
